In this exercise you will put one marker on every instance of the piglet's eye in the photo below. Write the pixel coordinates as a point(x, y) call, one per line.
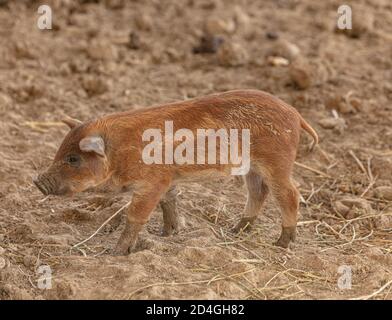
point(73, 160)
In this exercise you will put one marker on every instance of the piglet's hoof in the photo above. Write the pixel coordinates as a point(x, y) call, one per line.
point(243, 224)
point(123, 249)
point(119, 251)
point(283, 243)
point(288, 235)
point(169, 230)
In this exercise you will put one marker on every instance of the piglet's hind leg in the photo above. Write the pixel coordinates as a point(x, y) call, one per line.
point(170, 216)
point(257, 193)
point(288, 198)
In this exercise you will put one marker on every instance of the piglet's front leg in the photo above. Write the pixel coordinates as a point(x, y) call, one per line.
point(145, 199)
point(128, 239)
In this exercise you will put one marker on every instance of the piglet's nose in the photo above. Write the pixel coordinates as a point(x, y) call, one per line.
point(38, 183)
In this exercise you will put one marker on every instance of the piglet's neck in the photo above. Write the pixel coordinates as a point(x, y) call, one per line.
point(118, 135)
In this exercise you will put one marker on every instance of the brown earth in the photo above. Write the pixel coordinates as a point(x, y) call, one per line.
point(89, 65)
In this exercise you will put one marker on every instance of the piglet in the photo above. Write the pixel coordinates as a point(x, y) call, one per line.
point(151, 150)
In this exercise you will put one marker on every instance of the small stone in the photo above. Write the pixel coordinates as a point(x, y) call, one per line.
point(2, 250)
point(134, 41)
point(357, 207)
point(143, 22)
point(336, 102)
point(383, 192)
point(232, 55)
point(345, 108)
point(300, 76)
point(29, 261)
point(341, 208)
point(215, 25)
point(285, 49)
point(208, 44)
point(272, 35)
point(333, 123)
point(333, 102)
point(94, 86)
point(278, 61)
point(99, 50)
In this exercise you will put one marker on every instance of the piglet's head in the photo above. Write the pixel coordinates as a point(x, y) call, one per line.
point(80, 162)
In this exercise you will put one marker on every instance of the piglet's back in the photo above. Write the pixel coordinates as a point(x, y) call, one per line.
point(232, 109)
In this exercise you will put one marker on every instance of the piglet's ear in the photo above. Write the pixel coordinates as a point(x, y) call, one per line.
point(71, 123)
point(93, 144)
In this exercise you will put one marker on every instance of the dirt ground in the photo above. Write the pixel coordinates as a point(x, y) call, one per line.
point(107, 56)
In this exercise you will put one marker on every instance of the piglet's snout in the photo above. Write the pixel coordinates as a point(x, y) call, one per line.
point(46, 184)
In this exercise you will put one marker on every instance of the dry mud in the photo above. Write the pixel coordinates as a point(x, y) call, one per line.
point(88, 65)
